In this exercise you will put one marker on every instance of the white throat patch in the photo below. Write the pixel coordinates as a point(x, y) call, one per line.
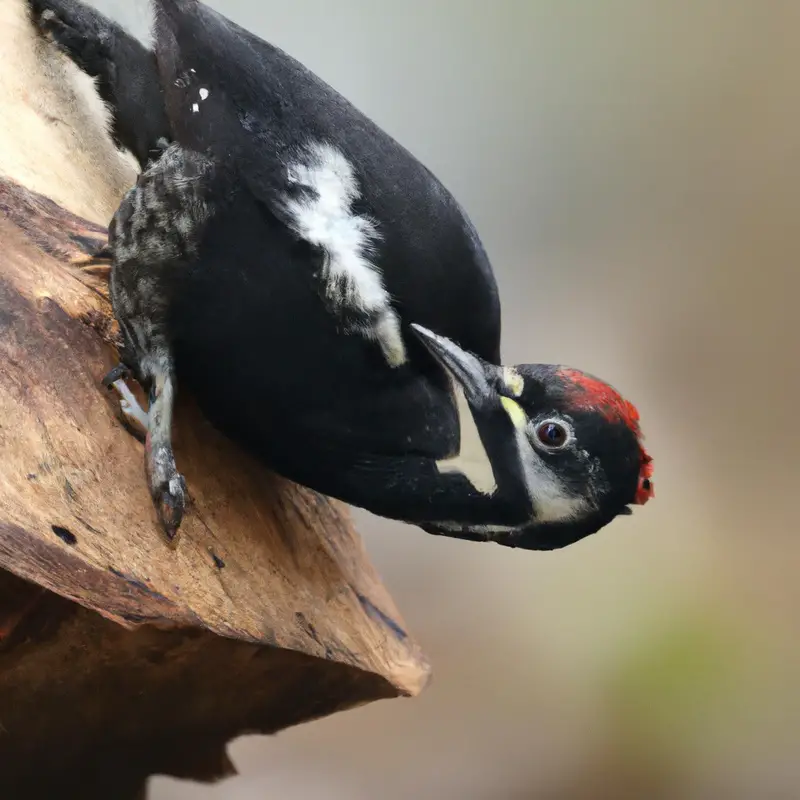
point(472, 460)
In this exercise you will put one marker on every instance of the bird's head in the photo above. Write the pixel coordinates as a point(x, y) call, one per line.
point(576, 447)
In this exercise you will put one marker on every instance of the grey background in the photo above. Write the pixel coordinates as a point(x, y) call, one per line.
point(633, 168)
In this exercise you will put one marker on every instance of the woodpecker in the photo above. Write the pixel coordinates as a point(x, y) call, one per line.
point(326, 299)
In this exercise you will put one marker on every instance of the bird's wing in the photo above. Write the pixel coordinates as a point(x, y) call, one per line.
point(394, 237)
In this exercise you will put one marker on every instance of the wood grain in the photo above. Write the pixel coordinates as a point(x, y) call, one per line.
point(118, 652)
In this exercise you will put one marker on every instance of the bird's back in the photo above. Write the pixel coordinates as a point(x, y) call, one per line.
point(249, 104)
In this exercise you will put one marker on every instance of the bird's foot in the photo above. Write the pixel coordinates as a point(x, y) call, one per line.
point(136, 419)
point(167, 487)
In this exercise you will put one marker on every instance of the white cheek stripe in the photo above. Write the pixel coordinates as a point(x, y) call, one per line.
point(472, 460)
point(552, 500)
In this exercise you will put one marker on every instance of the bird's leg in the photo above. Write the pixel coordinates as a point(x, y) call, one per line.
point(167, 485)
point(153, 233)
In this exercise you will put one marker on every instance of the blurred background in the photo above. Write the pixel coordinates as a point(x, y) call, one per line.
point(633, 167)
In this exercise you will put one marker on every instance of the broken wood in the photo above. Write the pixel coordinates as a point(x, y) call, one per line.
point(121, 657)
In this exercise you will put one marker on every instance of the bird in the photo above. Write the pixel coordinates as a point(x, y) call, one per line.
point(327, 301)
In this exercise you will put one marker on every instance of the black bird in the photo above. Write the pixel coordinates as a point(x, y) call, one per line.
point(327, 300)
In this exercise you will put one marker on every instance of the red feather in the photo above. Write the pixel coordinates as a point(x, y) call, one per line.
point(592, 394)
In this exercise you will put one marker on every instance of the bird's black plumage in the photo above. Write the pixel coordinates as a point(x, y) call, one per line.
point(325, 298)
point(263, 107)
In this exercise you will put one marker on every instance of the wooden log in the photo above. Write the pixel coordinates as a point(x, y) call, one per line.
point(122, 657)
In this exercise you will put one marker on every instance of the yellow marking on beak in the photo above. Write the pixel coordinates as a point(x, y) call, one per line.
point(515, 412)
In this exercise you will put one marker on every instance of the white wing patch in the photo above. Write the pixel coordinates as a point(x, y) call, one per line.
point(472, 460)
point(324, 217)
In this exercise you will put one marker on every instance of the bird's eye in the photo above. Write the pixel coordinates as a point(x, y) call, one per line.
point(552, 435)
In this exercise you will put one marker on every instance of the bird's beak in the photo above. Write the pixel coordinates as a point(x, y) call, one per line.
point(467, 369)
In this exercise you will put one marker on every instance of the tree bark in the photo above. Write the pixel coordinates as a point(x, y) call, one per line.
point(120, 656)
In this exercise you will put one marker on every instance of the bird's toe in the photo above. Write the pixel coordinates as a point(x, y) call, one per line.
point(171, 505)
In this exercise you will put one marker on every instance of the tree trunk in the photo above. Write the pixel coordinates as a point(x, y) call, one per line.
point(121, 656)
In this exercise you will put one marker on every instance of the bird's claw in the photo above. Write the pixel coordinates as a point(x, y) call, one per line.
point(170, 505)
point(116, 374)
point(134, 414)
point(135, 417)
point(167, 488)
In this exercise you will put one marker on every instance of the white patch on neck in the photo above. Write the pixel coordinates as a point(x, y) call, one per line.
point(324, 217)
point(472, 460)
